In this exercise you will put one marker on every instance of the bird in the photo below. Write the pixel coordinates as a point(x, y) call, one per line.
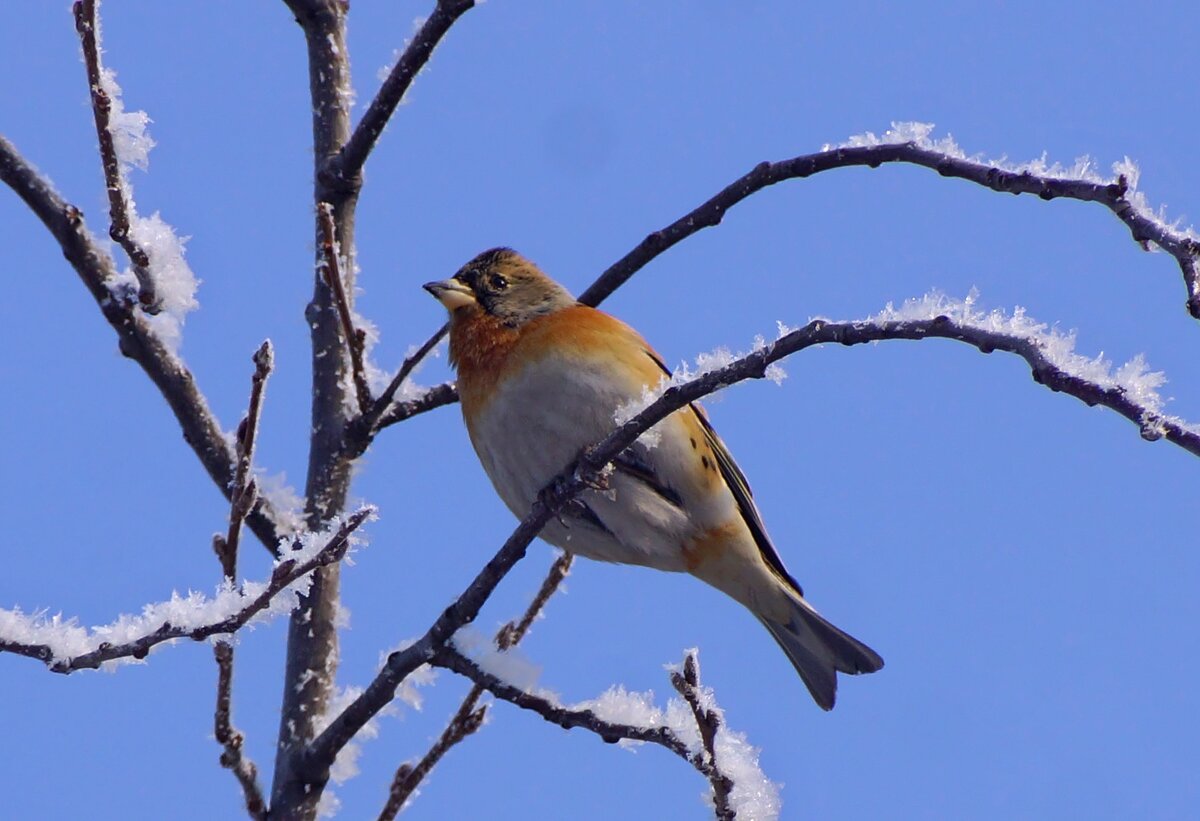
point(541, 377)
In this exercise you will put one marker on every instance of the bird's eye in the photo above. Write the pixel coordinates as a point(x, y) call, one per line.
point(497, 282)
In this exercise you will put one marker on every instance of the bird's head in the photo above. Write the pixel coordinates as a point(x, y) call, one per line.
point(503, 284)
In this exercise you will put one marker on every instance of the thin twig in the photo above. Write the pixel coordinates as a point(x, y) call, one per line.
point(231, 739)
point(242, 497)
point(369, 422)
point(286, 572)
point(708, 722)
point(611, 732)
point(244, 492)
point(137, 339)
point(588, 469)
point(114, 182)
point(331, 270)
point(348, 163)
point(469, 717)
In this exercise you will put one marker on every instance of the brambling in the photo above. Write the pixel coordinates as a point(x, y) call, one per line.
point(541, 377)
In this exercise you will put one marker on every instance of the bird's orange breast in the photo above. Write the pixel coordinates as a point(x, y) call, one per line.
point(486, 351)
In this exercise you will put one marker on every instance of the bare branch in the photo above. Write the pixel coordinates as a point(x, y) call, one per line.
point(118, 204)
point(331, 271)
point(708, 722)
point(244, 492)
point(231, 739)
point(436, 397)
point(348, 163)
point(710, 213)
point(136, 338)
point(466, 721)
point(312, 644)
point(611, 732)
point(371, 420)
point(242, 497)
point(286, 572)
point(469, 718)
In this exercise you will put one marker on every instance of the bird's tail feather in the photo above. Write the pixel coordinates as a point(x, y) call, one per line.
point(818, 651)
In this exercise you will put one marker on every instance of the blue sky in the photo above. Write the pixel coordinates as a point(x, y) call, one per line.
point(1026, 565)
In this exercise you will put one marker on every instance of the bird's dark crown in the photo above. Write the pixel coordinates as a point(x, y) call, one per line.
point(509, 286)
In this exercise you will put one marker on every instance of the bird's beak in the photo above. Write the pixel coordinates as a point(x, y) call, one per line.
point(451, 293)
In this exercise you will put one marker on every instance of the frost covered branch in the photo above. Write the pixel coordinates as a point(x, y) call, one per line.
point(331, 271)
point(708, 721)
point(348, 163)
point(694, 733)
point(114, 181)
point(469, 717)
point(137, 338)
point(65, 647)
point(910, 143)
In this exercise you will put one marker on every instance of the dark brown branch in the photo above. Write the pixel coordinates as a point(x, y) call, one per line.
point(348, 164)
point(708, 722)
point(331, 271)
point(118, 205)
point(231, 739)
point(611, 732)
point(286, 572)
point(436, 397)
point(1112, 196)
point(136, 338)
point(466, 721)
point(244, 492)
point(587, 472)
point(469, 716)
point(370, 422)
point(242, 497)
point(312, 644)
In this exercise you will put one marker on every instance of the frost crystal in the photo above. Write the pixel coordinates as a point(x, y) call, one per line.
point(1084, 168)
point(174, 282)
point(1133, 378)
point(191, 611)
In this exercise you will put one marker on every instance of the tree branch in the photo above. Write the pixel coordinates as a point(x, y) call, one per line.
point(114, 182)
point(231, 739)
point(136, 338)
point(348, 163)
point(710, 213)
point(708, 722)
point(285, 573)
point(610, 731)
point(469, 717)
point(312, 645)
point(242, 497)
point(331, 271)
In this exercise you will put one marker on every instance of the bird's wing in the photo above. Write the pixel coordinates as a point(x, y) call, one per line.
point(735, 480)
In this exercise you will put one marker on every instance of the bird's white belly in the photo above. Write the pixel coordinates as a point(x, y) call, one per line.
point(535, 425)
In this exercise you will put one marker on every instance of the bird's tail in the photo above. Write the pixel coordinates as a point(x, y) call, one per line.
point(819, 651)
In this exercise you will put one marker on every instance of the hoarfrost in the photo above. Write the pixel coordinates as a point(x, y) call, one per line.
point(1084, 169)
point(66, 639)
